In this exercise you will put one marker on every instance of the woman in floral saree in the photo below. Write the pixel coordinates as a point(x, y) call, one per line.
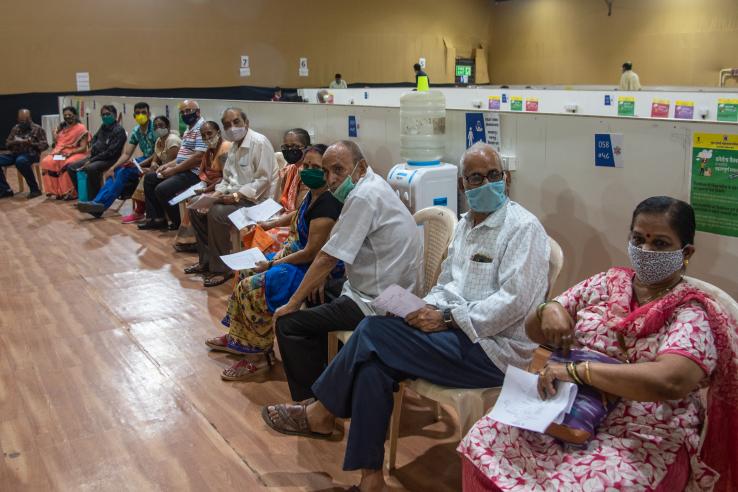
point(672, 340)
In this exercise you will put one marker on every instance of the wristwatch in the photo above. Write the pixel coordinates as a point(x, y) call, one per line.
point(448, 319)
point(236, 197)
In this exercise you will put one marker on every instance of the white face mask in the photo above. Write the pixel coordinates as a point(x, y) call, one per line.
point(161, 132)
point(235, 133)
point(652, 267)
point(213, 142)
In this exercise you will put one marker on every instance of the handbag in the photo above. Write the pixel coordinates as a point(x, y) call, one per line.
point(591, 405)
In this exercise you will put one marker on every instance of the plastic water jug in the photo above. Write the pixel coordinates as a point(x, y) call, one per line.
point(82, 186)
point(422, 127)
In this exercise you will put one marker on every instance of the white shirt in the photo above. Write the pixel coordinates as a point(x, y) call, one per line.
point(250, 169)
point(629, 81)
point(377, 239)
point(490, 300)
point(338, 85)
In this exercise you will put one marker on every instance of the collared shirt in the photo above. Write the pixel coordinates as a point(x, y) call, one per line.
point(489, 299)
point(192, 142)
point(250, 169)
point(145, 141)
point(108, 142)
point(377, 239)
point(32, 139)
point(629, 81)
point(338, 85)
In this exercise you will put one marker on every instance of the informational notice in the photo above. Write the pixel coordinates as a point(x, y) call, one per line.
point(303, 70)
point(83, 81)
point(483, 127)
point(660, 108)
point(626, 106)
point(245, 68)
point(714, 192)
point(684, 110)
point(727, 110)
point(494, 102)
point(516, 103)
point(492, 129)
point(531, 104)
point(608, 149)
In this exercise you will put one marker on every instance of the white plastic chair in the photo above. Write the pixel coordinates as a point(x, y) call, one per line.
point(438, 228)
point(469, 404)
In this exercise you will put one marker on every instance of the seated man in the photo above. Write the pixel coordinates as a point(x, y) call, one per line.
point(124, 173)
point(470, 331)
point(104, 151)
point(25, 143)
point(173, 178)
point(376, 238)
point(249, 177)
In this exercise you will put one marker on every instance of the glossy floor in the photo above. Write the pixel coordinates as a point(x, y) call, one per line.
point(105, 383)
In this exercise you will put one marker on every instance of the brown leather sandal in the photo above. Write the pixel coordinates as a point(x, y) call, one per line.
point(291, 423)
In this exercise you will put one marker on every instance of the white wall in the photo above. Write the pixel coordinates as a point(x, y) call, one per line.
point(585, 208)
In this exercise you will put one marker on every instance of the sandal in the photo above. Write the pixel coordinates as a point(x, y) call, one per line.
point(217, 279)
point(196, 268)
point(224, 344)
point(291, 423)
point(244, 370)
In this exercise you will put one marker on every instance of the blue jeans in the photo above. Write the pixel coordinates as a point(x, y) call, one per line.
point(113, 187)
point(383, 351)
point(24, 164)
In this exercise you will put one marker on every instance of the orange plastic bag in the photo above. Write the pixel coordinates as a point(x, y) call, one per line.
point(257, 238)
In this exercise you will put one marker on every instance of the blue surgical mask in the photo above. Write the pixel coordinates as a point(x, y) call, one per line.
point(487, 198)
point(343, 190)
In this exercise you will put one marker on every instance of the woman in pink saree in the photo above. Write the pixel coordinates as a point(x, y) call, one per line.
point(71, 141)
point(672, 339)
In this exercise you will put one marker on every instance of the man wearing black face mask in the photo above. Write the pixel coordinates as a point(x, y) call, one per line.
point(25, 143)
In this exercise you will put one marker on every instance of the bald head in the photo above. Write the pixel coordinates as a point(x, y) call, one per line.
point(481, 153)
point(24, 116)
point(190, 104)
point(343, 158)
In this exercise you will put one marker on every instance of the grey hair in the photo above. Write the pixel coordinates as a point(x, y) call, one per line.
point(237, 110)
point(482, 148)
point(356, 153)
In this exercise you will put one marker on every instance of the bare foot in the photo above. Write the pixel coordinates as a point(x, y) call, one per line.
point(372, 481)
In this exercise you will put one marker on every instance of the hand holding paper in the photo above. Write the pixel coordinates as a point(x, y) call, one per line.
point(248, 216)
point(398, 301)
point(189, 192)
point(203, 202)
point(244, 260)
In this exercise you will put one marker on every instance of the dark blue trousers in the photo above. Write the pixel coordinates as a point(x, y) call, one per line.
point(24, 163)
point(359, 382)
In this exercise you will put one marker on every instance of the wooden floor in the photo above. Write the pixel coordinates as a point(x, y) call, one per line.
point(106, 384)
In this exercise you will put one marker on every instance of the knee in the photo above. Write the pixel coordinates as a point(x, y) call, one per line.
point(23, 161)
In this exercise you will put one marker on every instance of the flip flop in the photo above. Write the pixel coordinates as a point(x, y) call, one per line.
point(299, 425)
point(217, 279)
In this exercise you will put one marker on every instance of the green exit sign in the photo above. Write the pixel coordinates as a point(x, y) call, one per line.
point(462, 70)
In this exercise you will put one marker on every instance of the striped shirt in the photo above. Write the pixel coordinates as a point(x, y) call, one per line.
point(192, 142)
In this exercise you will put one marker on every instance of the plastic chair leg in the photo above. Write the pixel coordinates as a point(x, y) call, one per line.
point(394, 428)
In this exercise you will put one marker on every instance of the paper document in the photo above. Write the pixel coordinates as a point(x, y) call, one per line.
point(189, 192)
point(202, 202)
point(398, 301)
point(244, 217)
point(59, 157)
point(244, 260)
point(138, 166)
point(520, 406)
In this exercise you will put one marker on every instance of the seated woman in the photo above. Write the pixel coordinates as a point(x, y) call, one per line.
point(211, 172)
point(165, 150)
point(268, 286)
point(71, 140)
point(672, 338)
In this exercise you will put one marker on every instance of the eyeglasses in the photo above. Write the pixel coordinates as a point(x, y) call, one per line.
point(477, 179)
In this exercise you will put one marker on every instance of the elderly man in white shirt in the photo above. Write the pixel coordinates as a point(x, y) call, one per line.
point(250, 176)
point(470, 331)
point(376, 238)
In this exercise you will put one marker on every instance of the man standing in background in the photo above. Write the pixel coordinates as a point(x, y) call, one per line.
point(629, 81)
point(338, 83)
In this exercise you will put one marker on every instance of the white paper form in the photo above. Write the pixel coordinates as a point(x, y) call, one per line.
point(398, 301)
point(520, 406)
point(244, 217)
point(189, 192)
point(58, 157)
point(203, 202)
point(244, 259)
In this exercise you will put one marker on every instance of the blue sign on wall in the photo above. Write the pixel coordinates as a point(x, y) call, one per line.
point(608, 149)
point(608, 102)
point(474, 129)
point(353, 130)
point(504, 98)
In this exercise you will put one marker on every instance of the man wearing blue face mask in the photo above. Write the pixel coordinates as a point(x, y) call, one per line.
point(471, 329)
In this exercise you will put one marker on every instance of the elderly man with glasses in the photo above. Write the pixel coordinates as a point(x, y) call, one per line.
point(471, 329)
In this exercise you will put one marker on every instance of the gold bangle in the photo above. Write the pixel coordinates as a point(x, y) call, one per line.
point(587, 374)
point(570, 371)
point(574, 375)
point(539, 310)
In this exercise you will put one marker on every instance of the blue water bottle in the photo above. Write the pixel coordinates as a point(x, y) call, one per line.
point(82, 186)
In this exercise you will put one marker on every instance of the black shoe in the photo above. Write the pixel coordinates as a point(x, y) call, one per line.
point(33, 194)
point(97, 215)
point(91, 207)
point(6, 194)
point(173, 226)
point(153, 225)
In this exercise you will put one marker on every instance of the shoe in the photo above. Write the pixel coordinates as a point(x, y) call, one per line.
point(97, 215)
point(196, 268)
point(173, 226)
point(132, 219)
point(157, 225)
point(6, 194)
point(91, 207)
point(33, 194)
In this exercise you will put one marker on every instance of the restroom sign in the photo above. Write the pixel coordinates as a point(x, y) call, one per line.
point(608, 149)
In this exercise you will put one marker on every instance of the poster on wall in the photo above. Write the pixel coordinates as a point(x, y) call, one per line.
point(83, 81)
point(474, 129)
point(531, 104)
point(492, 129)
point(303, 70)
point(660, 108)
point(245, 68)
point(608, 149)
point(516, 103)
point(714, 190)
point(626, 106)
point(684, 110)
point(727, 110)
point(494, 103)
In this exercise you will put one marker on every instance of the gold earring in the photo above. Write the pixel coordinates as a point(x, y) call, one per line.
point(686, 262)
